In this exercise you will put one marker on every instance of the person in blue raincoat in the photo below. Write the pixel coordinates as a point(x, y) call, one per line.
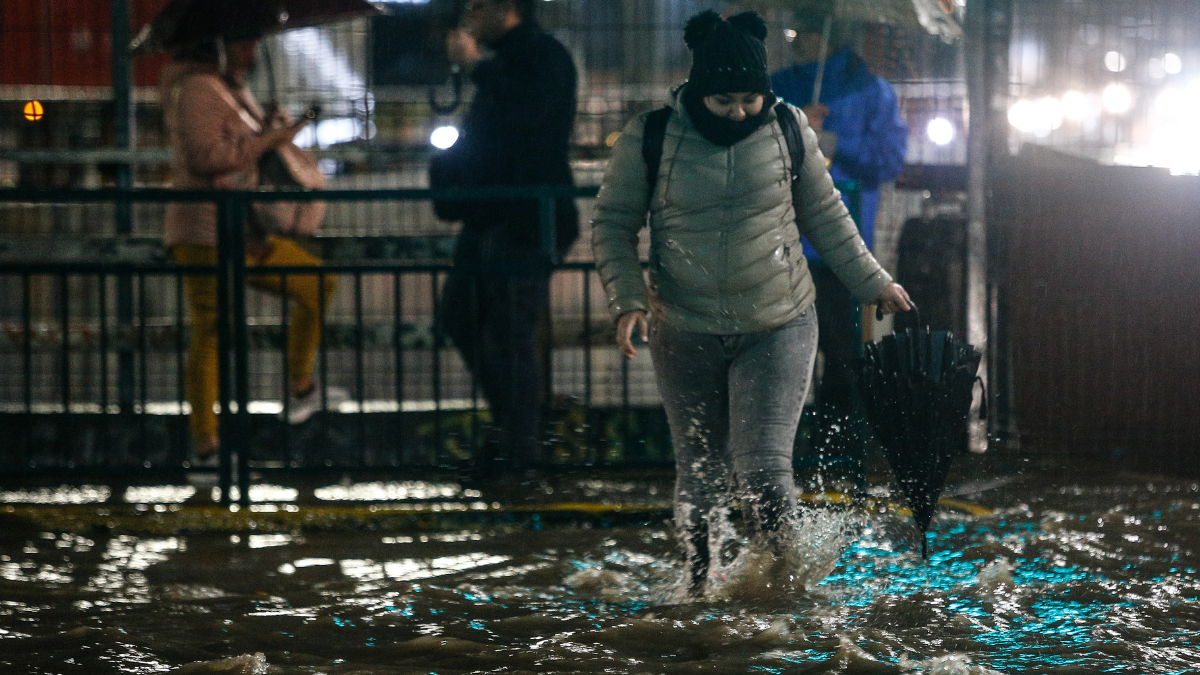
point(859, 126)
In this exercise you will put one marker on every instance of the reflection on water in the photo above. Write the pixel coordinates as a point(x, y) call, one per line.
point(1093, 577)
point(66, 494)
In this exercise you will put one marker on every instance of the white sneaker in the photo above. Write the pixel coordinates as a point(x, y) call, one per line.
point(300, 408)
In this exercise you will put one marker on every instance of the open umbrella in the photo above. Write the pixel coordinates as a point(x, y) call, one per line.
point(938, 17)
point(184, 23)
point(917, 388)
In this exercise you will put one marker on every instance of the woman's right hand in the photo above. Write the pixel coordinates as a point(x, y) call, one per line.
point(816, 114)
point(276, 137)
point(625, 326)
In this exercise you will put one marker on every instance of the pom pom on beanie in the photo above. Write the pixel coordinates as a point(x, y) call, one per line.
point(727, 55)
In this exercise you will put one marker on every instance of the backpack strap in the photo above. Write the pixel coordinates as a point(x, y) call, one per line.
point(791, 135)
point(653, 137)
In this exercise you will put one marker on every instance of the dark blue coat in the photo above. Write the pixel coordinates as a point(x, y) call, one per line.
point(517, 132)
point(872, 139)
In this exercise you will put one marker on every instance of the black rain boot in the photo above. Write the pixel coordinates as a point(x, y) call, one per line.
point(698, 559)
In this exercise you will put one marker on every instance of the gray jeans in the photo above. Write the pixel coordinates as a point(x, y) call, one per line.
point(733, 403)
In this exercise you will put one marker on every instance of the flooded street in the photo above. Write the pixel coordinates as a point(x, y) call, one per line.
point(1097, 574)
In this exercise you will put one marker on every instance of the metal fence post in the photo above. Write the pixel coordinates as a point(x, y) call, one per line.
point(224, 340)
point(241, 344)
point(124, 120)
point(546, 217)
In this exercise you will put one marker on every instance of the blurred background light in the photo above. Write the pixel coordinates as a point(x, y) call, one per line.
point(940, 131)
point(1114, 61)
point(1074, 105)
point(330, 132)
point(1171, 103)
point(443, 137)
point(1020, 115)
point(1172, 64)
point(34, 111)
point(1117, 98)
point(1038, 117)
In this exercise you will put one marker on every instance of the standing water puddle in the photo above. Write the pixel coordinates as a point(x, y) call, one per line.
point(1087, 578)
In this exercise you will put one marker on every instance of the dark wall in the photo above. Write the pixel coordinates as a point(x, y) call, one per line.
point(1102, 284)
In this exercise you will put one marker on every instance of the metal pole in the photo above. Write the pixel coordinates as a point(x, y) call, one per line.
point(241, 349)
point(820, 75)
point(124, 128)
point(225, 385)
point(978, 101)
point(999, 38)
point(547, 228)
point(124, 119)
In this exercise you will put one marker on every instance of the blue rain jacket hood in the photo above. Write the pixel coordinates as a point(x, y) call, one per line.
point(872, 138)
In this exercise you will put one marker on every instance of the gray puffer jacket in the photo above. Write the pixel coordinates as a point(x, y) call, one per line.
point(725, 255)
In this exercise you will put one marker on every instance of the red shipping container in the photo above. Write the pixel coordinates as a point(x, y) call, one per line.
point(68, 42)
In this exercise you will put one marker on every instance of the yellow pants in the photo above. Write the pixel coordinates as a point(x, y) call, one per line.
point(304, 329)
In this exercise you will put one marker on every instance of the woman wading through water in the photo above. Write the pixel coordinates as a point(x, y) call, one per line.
point(728, 313)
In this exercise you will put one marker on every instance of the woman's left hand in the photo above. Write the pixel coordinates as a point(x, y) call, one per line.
point(893, 298)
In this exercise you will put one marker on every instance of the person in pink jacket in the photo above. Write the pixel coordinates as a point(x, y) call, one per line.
point(220, 135)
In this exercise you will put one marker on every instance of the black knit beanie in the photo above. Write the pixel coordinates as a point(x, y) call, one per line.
point(728, 56)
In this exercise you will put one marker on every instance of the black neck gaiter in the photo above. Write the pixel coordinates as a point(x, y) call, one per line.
point(722, 130)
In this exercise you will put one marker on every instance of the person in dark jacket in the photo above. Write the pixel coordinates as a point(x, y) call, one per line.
point(858, 122)
point(516, 133)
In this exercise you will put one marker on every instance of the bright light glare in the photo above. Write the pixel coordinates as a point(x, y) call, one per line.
point(1049, 115)
point(1174, 140)
point(1172, 63)
point(1114, 61)
point(444, 137)
point(329, 132)
point(1074, 105)
point(1038, 117)
point(1117, 98)
point(1171, 104)
point(1021, 116)
point(940, 131)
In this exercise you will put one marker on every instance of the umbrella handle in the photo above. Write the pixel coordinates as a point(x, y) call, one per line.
point(456, 84)
point(915, 309)
point(820, 76)
point(269, 66)
point(983, 401)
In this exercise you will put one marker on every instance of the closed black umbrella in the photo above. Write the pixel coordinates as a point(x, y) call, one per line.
point(917, 388)
point(186, 23)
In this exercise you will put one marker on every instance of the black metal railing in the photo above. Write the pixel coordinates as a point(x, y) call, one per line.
point(66, 418)
point(89, 343)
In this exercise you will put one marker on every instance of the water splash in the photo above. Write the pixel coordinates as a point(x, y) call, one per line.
point(818, 539)
point(244, 664)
